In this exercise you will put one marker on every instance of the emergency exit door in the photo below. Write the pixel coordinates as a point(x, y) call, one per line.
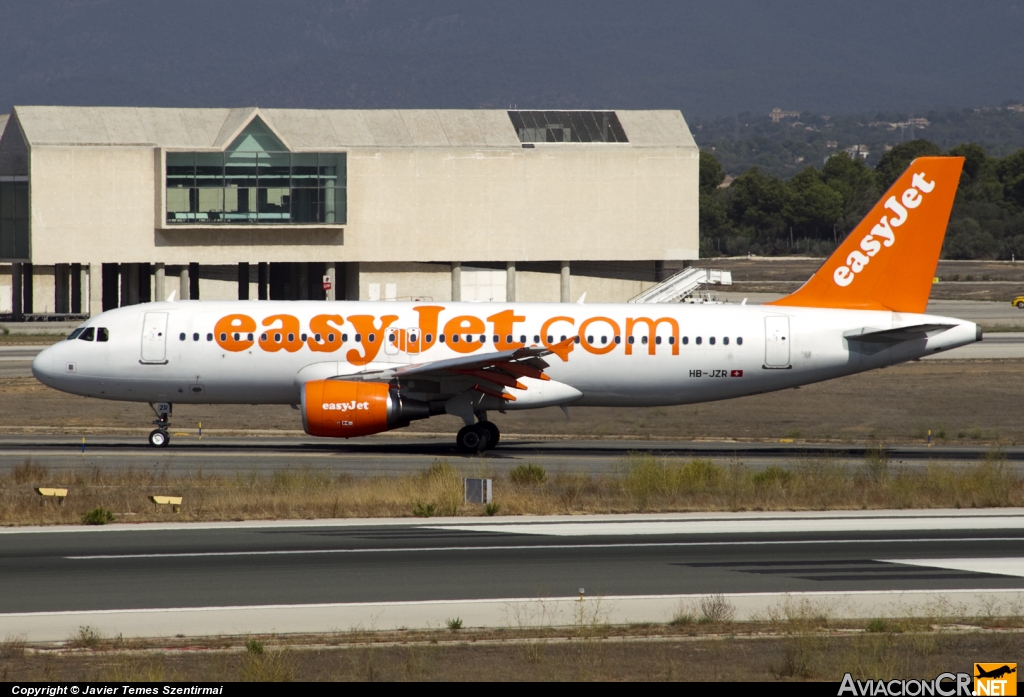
point(154, 337)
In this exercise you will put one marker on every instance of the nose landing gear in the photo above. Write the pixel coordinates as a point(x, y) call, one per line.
point(159, 437)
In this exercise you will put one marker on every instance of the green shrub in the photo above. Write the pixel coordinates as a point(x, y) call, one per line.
point(454, 623)
point(98, 516)
point(528, 475)
point(492, 509)
point(253, 646)
point(772, 476)
point(424, 511)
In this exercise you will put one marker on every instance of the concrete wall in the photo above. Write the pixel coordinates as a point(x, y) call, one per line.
point(432, 282)
point(552, 202)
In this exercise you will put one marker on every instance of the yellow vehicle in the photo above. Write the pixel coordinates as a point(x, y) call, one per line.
point(1018, 301)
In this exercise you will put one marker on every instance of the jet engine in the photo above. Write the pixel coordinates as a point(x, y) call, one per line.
point(346, 409)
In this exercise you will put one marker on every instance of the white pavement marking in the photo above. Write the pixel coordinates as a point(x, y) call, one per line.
point(631, 545)
point(748, 526)
point(763, 522)
point(500, 612)
point(1004, 566)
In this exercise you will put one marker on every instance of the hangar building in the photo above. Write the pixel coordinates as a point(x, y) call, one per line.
point(102, 207)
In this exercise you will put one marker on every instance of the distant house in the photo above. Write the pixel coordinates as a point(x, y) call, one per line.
point(778, 114)
point(860, 151)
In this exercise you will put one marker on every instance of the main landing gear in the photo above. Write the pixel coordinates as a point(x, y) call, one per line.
point(478, 437)
point(159, 437)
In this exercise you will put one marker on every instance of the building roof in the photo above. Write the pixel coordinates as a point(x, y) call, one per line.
point(311, 129)
point(3, 123)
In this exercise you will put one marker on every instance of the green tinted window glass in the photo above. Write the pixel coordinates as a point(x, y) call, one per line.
point(209, 169)
point(273, 169)
point(256, 181)
point(181, 169)
point(304, 170)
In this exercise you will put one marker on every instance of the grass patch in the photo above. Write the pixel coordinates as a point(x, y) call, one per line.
point(525, 475)
point(98, 516)
point(688, 650)
point(641, 482)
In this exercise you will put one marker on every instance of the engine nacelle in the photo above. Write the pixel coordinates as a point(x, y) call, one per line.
point(347, 409)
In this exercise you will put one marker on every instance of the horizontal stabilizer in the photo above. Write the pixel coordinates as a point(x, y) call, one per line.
point(898, 335)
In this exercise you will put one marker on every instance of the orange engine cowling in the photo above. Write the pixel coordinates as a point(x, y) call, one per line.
point(347, 409)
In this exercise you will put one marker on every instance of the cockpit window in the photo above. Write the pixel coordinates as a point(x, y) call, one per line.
point(102, 334)
point(74, 334)
point(89, 334)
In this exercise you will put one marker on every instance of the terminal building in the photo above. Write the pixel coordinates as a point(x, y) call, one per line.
point(103, 207)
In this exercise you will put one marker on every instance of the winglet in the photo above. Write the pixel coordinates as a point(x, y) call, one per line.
point(889, 260)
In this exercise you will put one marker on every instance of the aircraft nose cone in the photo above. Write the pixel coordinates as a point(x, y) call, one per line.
point(43, 366)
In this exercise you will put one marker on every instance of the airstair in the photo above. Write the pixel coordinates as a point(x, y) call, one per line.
point(684, 286)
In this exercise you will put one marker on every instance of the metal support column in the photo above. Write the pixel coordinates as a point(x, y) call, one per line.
point(76, 288)
point(193, 281)
point(456, 281)
point(330, 272)
point(243, 280)
point(565, 283)
point(159, 282)
point(262, 280)
point(95, 289)
point(510, 281)
point(17, 308)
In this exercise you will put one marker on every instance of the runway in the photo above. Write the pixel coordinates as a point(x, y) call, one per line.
point(153, 573)
point(395, 454)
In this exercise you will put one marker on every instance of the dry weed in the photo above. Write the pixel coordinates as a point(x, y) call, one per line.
point(642, 483)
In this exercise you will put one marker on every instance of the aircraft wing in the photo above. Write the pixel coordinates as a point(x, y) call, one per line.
point(487, 373)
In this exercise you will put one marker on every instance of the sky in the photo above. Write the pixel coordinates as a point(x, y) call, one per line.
point(706, 58)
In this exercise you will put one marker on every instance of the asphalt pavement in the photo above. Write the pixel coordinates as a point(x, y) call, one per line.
point(392, 454)
point(62, 574)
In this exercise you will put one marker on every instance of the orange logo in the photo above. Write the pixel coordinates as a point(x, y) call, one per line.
point(462, 334)
point(995, 679)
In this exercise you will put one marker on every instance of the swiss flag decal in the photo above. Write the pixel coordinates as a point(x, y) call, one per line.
point(735, 373)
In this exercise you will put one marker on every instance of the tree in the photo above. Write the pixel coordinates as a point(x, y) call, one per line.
point(711, 173)
point(1011, 173)
point(852, 180)
point(966, 240)
point(812, 207)
point(896, 161)
point(757, 201)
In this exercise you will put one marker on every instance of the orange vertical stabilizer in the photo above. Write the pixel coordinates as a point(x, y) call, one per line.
point(889, 260)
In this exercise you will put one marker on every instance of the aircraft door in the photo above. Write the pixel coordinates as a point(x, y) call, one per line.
point(154, 337)
point(777, 341)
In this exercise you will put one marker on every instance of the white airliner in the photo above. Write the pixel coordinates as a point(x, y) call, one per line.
point(358, 368)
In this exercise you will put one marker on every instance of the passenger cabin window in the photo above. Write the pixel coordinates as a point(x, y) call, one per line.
point(102, 334)
point(739, 341)
point(88, 335)
point(181, 337)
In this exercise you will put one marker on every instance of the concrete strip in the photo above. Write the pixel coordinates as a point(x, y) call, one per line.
point(505, 612)
point(929, 519)
point(1004, 566)
point(753, 526)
